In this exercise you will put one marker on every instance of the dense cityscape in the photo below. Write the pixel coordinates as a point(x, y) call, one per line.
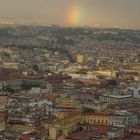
point(69, 83)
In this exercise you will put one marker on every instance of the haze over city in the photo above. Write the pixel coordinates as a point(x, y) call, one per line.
point(96, 13)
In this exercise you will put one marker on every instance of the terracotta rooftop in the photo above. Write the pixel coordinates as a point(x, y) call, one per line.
point(10, 74)
point(84, 134)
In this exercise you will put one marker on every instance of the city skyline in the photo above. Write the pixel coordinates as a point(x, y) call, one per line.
point(69, 69)
point(95, 13)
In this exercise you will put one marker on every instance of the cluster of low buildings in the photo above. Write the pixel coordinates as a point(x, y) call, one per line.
point(84, 91)
point(56, 106)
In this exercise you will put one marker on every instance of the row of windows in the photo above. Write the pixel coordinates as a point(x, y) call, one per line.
point(23, 128)
point(103, 122)
point(70, 121)
point(96, 117)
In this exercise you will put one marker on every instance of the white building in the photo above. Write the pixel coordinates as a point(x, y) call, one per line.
point(123, 118)
point(135, 92)
point(110, 98)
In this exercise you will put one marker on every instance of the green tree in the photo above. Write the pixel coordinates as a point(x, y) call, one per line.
point(35, 68)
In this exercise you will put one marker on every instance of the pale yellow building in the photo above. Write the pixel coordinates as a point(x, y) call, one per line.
point(68, 102)
point(10, 65)
point(6, 50)
point(109, 73)
point(95, 119)
point(65, 124)
point(80, 58)
point(21, 127)
point(14, 56)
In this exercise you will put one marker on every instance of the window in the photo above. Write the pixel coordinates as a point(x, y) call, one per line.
point(102, 122)
point(139, 91)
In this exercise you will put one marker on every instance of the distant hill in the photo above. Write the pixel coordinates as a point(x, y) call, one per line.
point(41, 35)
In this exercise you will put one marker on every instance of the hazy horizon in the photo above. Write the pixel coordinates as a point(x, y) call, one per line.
point(93, 13)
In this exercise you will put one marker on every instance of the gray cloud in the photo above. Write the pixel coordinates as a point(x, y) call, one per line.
point(124, 13)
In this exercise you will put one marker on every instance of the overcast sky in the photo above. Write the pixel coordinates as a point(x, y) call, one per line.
point(104, 13)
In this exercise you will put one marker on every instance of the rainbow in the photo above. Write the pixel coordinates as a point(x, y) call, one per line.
point(73, 15)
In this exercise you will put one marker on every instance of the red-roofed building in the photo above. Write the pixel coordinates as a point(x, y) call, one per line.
point(10, 78)
point(2, 120)
point(25, 137)
point(50, 97)
point(2, 116)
